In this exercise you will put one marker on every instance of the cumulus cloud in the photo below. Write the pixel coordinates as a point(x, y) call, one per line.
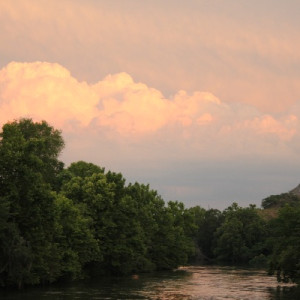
point(127, 109)
point(130, 107)
point(45, 91)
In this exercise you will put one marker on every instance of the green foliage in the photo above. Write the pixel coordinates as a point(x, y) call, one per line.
point(207, 222)
point(280, 200)
point(285, 243)
point(83, 169)
point(171, 245)
point(28, 170)
point(123, 238)
point(74, 237)
point(134, 229)
point(240, 237)
point(149, 206)
point(77, 169)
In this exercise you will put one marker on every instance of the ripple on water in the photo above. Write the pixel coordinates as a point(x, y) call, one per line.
point(217, 283)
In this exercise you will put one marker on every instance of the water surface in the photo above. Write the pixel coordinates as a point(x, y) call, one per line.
point(207, 283)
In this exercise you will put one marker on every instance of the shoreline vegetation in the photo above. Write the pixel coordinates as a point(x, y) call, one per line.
point(62, 224)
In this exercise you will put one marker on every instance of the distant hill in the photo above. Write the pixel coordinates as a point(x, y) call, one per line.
point(296, 191)
point(273, 203)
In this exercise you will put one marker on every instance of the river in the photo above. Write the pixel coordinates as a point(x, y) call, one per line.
point(193, 282)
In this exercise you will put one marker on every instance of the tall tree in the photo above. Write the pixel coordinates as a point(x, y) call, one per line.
point(285, 243)
point(207, 222)
point(74, 238)
point(240, 237)
point(28, 168)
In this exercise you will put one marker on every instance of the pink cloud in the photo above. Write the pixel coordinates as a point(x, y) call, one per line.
point(45, 91)
point(127, 109)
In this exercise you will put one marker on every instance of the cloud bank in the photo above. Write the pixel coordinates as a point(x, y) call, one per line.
point(119, 109)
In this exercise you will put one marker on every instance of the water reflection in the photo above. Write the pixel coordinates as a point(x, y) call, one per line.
point(207, 283)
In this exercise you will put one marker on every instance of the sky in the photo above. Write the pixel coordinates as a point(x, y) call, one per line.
point(200, 99)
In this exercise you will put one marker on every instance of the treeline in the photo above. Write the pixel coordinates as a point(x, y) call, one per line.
point(60, 223)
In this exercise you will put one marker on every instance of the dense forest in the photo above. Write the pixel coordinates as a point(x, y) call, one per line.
point(60, 223)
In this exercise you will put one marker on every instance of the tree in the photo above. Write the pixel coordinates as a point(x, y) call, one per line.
point(207, 221)
point(182, 230)
point(28, 168)
point(241, 236)
point(280, 200)
point(115, 221)
point(123, 238)
point(95, 198)
point(149, 207)
point(75, 239)
point(285, 244)
point(78, 169)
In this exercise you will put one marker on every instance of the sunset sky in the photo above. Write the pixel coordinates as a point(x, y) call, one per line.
point(198, 98)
